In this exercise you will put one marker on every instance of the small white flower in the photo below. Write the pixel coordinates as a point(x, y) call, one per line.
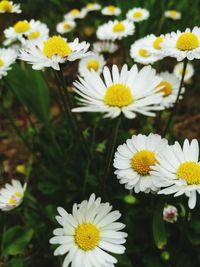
point(169, 87)
point(111, 11)
point(134, 160)
point(9, 7)
point(76, 14)
point(52, 52)
point(170, 214)
point(137, 14)
point(92, 7)
point(127, 91)
point(115, 30)
point(11, 196)
point(89, 234)
point(178, 171)
point(94, 62)
point(105, 47)
point(65, 26)
point(183, 45)
point(178, 71)
point(172, 14)
point(7, 58)
point(154, 44)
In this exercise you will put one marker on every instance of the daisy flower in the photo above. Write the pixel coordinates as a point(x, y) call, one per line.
point(52, 52)
point(105, 47)
point(111, 11)
point(92, 7)
point(154, 44)
point(134, 160)
point(126, 91)
point(183, 45)
point(137, 14)
point(189, 72)
point(169, 87)
point(65, 26)
point(170, 214)
point(7, 58)
point(115, 30)
point(172, 14)
point(89, 234)
point(94, 62)
point(76, 14)
point(178, 171)
point(11, 196)
point(9, 7)
point(142, 54)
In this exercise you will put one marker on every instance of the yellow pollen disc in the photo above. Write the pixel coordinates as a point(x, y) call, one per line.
point(190, 172)
point(144, 53)
point(111, 9)
point(181, 71)
point(167, 88)
point(93, 64)
point(1, 62)
point(87, 236)
point(119, 27)
point(157, 43)
point(33, 35)
point(142, 161)
point(74, 12)
point(118, 95)
point(5, 6)
point(187, 41)
point(173, 13)
point(21, 26)
point(15, 198)
point(137, 14)
point(66, 26)
point(90, 5)
point(56, 45)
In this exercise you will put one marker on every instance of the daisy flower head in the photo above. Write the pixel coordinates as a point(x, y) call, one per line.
point(189, 72)
point(53, 52)
point(65, 26)
point(94, 62)
point(11, 195)
point(126, 91)
point(137, 14)
point(181, 45)
point(141, 53)
point(178, 171)
point(9, 7)
point(111, 10)
point(92, 7)
point(172, 14)
point(134, 160)
point(170, 214)
point(89, 234)
point(115, 30)
point(169, 87)
point(7, 58)
point(105, 47)
point(154, 44)
point(75, 13)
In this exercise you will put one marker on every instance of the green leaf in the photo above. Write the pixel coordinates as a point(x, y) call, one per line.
point(15, 263)
point(159, 231)
point(16, 240)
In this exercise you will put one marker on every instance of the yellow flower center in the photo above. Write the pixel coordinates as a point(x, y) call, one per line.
point(119, 27)
point(1, 62)
point(66, 26)
point(111, 9)
point(167, 88)
point(90, 5)
point(56, 45)
point(190, 172)
point(87, 236)
point(15, 198)
point(137, 14)
point(93, 64)
point(118, 95)
point(33, 35)
point(157, 43)
point(74, 12)
point(5, 6)
point(181, 71)
point(187, 41)
point(22, 26)
point(173, 13)
point(142, 161)
point(144, 53)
